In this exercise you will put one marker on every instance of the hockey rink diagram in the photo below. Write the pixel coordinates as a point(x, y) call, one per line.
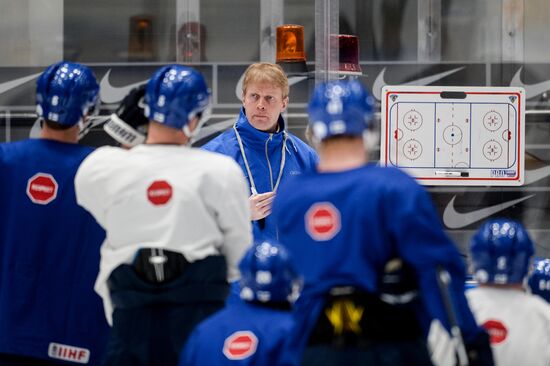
point(454, 136)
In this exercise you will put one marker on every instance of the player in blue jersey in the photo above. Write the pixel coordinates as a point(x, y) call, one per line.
point(253, 329)
point(366, 239)
point(49, 246)
point(260, 143)
point(539, 280)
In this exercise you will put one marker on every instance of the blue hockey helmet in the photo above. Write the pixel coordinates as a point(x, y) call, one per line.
point(539, 281)
point(341, 107)
point(268, 274)
point(65, 92)
point(501, 250)
point(175, 95)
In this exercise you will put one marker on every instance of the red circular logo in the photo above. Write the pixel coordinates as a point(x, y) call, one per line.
point(42, 188)
point(159, 192)
point(240, 345)
point(497, 331)
point(322, 221)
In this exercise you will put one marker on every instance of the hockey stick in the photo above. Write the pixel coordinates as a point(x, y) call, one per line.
point(443, 282)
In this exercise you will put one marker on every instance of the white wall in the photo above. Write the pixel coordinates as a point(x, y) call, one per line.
point(31, 32)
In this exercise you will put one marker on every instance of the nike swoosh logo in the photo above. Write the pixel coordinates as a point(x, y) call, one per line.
point(456, 220)
point(207, 131)
point(379, 82)
point(113, 94)
point(8, 85)
point(291, 81)
point(531, 90)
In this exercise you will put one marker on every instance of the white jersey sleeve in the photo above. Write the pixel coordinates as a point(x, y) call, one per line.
point(90, 181)
point(234, 219)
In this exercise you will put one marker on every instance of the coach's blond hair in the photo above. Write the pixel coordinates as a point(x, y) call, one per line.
point(266, 72)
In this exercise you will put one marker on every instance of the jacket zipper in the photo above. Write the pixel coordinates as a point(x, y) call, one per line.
point(268, 162)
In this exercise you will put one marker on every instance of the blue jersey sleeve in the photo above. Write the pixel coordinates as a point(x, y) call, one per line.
point(187, 356)
point(422, 242)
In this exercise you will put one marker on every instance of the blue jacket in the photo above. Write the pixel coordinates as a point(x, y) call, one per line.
point(240, 334)
point(263, 152)
point(343, 227)
point(49, 256)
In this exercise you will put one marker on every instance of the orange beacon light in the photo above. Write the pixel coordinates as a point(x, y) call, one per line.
point(290, 48)
point(290, 43)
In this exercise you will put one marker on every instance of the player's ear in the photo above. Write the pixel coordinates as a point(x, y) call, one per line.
point(285, 103)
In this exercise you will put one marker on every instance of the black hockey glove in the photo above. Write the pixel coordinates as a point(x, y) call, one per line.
point(128, 125)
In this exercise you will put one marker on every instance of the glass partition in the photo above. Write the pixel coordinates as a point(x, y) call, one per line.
point(418, 42)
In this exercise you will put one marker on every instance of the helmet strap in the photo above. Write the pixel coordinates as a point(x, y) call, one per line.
point(187, 132)
point(83, 127)
point(192, 135)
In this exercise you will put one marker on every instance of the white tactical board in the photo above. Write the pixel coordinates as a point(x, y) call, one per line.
point(455, 135)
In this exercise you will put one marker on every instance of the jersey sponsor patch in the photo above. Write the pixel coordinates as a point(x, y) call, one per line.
point(68, 353)
point(240, 345)
point(497, 331)
point(322, 221)
point(42, 188)
point(159, 192)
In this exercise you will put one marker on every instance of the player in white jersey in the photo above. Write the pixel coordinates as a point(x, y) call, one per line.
point(518, 323)
point(177, 223)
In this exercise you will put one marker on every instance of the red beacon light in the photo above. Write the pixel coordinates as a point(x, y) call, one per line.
point(290, 48)
point(348, 51)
